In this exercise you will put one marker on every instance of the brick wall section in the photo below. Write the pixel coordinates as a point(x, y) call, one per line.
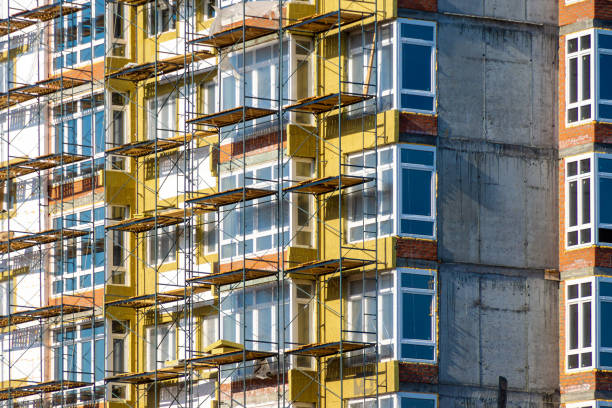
point(603, 9)
point(424, 5)
point(254, 145)
point(418, 124)
point(416, 249)
point(418, 373)
point(571, 13)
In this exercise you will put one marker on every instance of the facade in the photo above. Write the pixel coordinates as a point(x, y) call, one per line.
point(309, 204)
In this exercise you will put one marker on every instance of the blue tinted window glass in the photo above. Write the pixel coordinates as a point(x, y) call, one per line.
point(99, 51)
point(605, 41)
point(412, 280)
point(99, 216)
point(58, 62)
point(99, 132)
point(605, 200)
point(417, 102)
point(99, 276)
point(86, 25)
point(605, 322)
point(58, 287)
point(604, 165)
point(57, 223)
point(70, 284)
point(71, 350)
point(605, 360)
point(605, 289)
point(58, 362)
point(416, 67)
point(71, 59)
point(416, 192)
point(605, 79)
point(416, 227)
point(85, 280)
point(85, 216)
point(416, 316)
point(86, 361)
point(417, 352)
point(417, 31)
point(413, 156)
point(85, 54)
point(99, 329)
point(605, 111)
point(99, 360)
point(59, 138)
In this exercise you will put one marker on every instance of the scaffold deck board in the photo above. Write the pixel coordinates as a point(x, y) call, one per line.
point(16, 243)
point(231, 357)
point(145, 147)
point(319, 268)
point(134, 2)
point(149, 300)
point(319, 23)
point(164, 218)
point(24, 166)
point(25, 93)
point(33, 389)
point(327, 184)
point(48, 12)
point(10, 25)
point(326, 103)
point(233, 196)
point(232, 116)
point(233, 276)
point(328, 349)
point(234, 35)
point(145, 377)
point(41, 313)
point(165, 66)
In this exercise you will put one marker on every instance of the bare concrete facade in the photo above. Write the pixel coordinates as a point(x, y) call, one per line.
point(497, 202)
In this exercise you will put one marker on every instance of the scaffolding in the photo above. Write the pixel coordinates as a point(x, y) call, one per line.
point(48, 308)
point(182, 185)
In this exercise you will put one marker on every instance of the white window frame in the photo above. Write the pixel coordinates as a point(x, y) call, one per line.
point(396, 400)
point(123, 164)
point(209, 322)
point(156, 109)
point(110, 245)
point(399, 184)
point(361, 189)
point(581, 349)
point(596, 199)
point(167, 233)
point(398, 78)
point(155, 338)
point(79, 46)
point(79, 270)
point(6, 295)
point(601, 51)
point(578, 55)
point(578, 178)
point(172, 13)
point(290, 226)
point(597, 318)
point(110, 23)
point(400, 308)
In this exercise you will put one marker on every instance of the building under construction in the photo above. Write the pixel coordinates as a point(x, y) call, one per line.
point(308, 204)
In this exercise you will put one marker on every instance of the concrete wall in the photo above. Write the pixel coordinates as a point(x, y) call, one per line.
point(496, 160)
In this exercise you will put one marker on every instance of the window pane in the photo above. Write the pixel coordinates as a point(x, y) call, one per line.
point(417, 351)
point(417, 227)
point(100, 358)
point(573, 80)
point(413, 156)
point(605, 200)
point(413, 280)
point(417, 31)
point(416, 321)
point(586, 201)
point(605, 360)
point(387, 316)
point(586, 77)
point(605, 289)
point(586, 324)
point(573, 327)
point(86, 361)
point(573, 203)
point(416, 192)
point(419, 102)
point(604, 321)
point(416, 67)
